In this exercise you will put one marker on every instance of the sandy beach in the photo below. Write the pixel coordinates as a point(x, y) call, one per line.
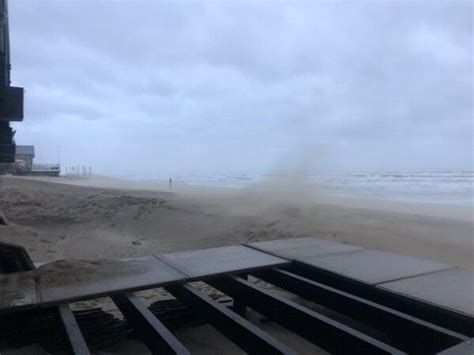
point(102, 217)
point(99, 217)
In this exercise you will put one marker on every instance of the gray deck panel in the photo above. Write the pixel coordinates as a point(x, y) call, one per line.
point(452, 289)
point(18, 291)
point(301, 248)
point(374, 266)
point(68, 281)
point(465, 348)
point(216, 261)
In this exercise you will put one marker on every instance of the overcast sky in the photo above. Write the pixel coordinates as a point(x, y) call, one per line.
point(155, 88)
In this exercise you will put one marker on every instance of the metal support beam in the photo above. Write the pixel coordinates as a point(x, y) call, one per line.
point(75, 341)
point(241, 308)
point(148, 328)
point(243, 333)
point(327, 333)
point(407, 332)
point(445, 318)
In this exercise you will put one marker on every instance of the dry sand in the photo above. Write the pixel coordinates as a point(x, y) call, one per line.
point(77, 219)
point(98, 217)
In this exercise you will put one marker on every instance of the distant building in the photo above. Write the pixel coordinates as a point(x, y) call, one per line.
point(45, 170)
point(23, 164)
point(24, 157)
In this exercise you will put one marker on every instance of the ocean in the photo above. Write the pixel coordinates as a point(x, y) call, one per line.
point(454, 188)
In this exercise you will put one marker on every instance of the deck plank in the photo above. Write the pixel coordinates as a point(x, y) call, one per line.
point(17, 291)
point(302, 248)
point(68, 281)
point(218, 261)
point(452, 289)
point(374, 266)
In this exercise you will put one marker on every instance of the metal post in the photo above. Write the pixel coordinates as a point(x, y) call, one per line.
point(74, 338)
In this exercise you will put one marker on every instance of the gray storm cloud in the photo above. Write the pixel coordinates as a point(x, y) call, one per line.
point(148, 87)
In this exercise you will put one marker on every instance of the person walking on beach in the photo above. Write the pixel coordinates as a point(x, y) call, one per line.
point(171, 182)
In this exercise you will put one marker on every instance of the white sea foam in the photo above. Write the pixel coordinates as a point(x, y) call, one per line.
point(433, 187)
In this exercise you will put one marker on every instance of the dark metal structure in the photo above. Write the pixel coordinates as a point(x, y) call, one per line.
point(11, 98)
point(338, 314)
point(14, 258)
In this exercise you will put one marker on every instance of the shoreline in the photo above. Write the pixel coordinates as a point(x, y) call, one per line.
point(464, 212)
